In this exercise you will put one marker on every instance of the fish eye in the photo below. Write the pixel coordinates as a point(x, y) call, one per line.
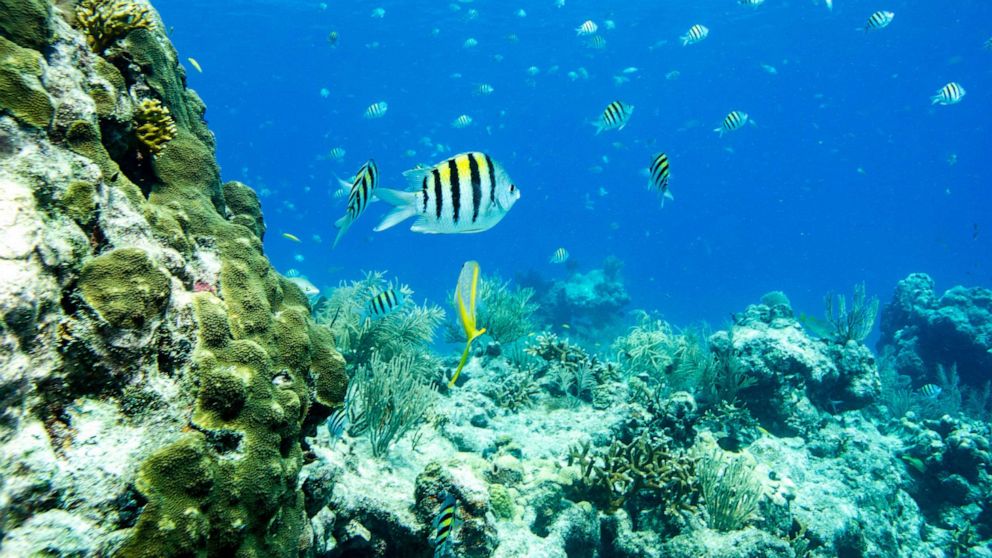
point(513, 188)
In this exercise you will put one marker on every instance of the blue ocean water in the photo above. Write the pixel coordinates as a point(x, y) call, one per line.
point(850, 174)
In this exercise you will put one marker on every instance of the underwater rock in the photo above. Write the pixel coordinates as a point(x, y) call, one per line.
point(921, 331)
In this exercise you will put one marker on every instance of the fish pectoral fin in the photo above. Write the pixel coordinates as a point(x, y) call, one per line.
point(422, 225)
point(395, 217)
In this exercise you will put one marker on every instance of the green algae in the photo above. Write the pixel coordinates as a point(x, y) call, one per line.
point(26, 22)
point(21, 91)
point(79, 201)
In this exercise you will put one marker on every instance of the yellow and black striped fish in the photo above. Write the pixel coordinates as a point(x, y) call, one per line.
point(376, 110)
point(467, 193)
point(931, 391)
point(444, 525)
point(659, 174)
point(361, 191)
point(879, 20)
point(384, 303)
point(615, 116)
point(559, 256)
point(733, 121)
point(696, 33)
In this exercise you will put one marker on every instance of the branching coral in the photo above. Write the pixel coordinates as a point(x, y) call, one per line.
point(386, 400)
point(105, 21)
point(636, 475)
point(505, 311)
point(678, 361)
point(572, 372)
point(852, 324)
point(731, 490)
point(155, 126)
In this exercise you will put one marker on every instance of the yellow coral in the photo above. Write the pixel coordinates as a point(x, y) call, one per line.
point(156, 126)
point(105, 21)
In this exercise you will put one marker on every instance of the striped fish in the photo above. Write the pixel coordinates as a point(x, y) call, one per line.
point(752, 3)
point(337, 424)
point(376, 110)
point(587, 28)
point(696, 33)
point(615, 116)
point(484, 89)
point(559, 256)
point(930, 391)
point(595, 42)
point(463, 121)
point(467, 193)
point(362, 190)
point(444, 525)
point(384, 303)
point(733, 121)
point(879, 20)
point(950, 94)
point(659, 177)
point(988, 44)
point(336, 153)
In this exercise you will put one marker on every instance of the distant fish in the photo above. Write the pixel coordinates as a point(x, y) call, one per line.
point(596, 42)
point(615, 116)
point(376, 110)
point(305, 285)
point(559, 256)
point(769, 68)
point(659, 174)
point(378, 13)
point(384, 303)
point(337, 424)
point(879, 20)
point(444, 525)
point(470, 43)
point(293, 237)
point(467, 193)
point(988, 44)
point(696, 33)
point(359, 197)
point(587, 28)
point(630, 70)
point(950, 94)
point(559, 3)
point(930, 391)
point(195, 64)
point(830, 5)
point(463, 121)
point(752, 3)
point(733, 121)
point(332, 38)
point(336, 153)
point(484, 89)
point(673, 75)
point(609, 25)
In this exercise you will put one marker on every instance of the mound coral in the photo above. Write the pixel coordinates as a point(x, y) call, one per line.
point(105, 21)
point(155, 126)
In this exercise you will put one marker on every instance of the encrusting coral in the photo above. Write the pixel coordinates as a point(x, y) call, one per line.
point(155, 126)
point(105, 21)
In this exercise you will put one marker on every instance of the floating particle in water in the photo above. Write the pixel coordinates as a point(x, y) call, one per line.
point(324, 92)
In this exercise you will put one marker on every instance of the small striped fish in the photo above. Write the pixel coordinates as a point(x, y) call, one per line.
point(376, 110)
point(463, 121)
point(336, 153)
point(615, 116)
point(879, 20)
point(950, 94)
point(362, 190)
point(484, 89)
point(467, 193)
point(444, 525)
point(560, 256)
point(696, 33)
point(587, 28)
point(384, 303)
point(734, 121)
point(337, 424)
point(659, 173)
point(752, 3)
point(595, 42)
point(930, 391)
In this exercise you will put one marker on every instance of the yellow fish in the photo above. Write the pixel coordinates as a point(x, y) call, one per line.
point(292, 237)
point(195, 64)
point(465, 291)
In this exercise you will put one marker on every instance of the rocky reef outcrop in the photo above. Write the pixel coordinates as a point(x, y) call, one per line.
point(921, 330)
point(157, 376)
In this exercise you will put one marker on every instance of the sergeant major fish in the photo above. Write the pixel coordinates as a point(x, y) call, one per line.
point(879, 20)
point(376, 110)
point(362, 190)
point(384, 303)
point(733, 121)
point(615, 116)
point(587, 28)
point(950, 94)
point(559, 256)
point(696, 33)
point(444, 525)
point(467, 193)
point(659, 173)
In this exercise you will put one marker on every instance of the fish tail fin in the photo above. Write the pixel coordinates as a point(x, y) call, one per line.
point(934, 100)
point(342, 224)
point(719, 131)
point(752, 122)
point(405, 207)
point(667, 195)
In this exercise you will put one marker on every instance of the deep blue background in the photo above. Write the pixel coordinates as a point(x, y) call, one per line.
point(846, 178)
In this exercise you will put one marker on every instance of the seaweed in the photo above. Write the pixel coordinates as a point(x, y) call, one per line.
point(854, 323)
point(731, 491)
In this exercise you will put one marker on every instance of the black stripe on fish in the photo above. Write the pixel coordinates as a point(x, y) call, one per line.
point(473, 169)
point(424, 195)
point(456, 194)
point(438, 194)
point(492, 179)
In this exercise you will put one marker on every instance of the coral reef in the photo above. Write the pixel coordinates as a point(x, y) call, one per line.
point(921, 331)
point(158, 376)
point(584, 301)
point(155, 127)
